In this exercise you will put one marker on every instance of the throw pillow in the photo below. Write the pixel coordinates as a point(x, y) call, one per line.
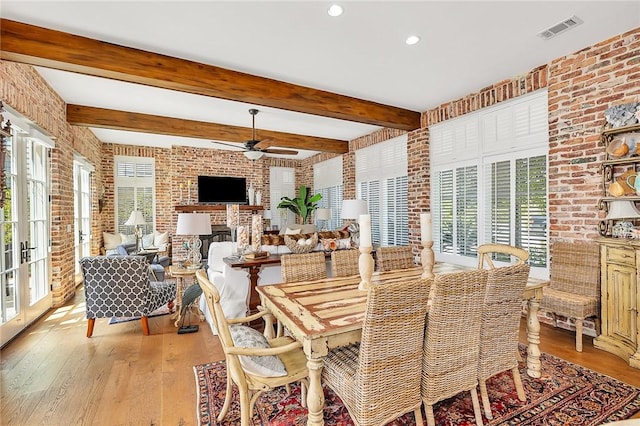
point(111, 241)
point(290, 231)
point(265, 366)
point(128, 238)
point(160, 239)
point(147, 241)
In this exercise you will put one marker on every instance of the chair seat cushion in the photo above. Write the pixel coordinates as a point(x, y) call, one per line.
point(265, 366)
point(569, 304)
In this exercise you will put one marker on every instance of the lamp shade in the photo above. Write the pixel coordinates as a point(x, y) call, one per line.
point(323, 214)
point(622, 209)
point(253, 155)
point(193, 224)
point(136, 218)
point(352, 209)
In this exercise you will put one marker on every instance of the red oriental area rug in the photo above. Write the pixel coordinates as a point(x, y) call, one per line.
point(566, 394)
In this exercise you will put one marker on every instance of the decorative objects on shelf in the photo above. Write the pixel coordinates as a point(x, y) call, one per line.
point(251, 194)
point(189, 191)
point(136, 219)
point(194, 224)
point(623, 115)
point(302, 205)
point(427, 255)
point(258, 197)
point(256, 232)
point(233, 218)
point(365, 261)
point(5, 134)
point(619, 176)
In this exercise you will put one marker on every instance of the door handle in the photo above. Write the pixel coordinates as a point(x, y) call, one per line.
point(25, 252)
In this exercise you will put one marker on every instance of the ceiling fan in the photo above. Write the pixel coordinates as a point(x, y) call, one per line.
point(255, 149)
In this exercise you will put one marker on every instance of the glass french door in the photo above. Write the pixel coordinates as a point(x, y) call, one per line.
point(82, 211)
point(24, 230)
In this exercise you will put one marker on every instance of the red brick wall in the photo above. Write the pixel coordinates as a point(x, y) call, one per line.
point(581, 87)
point(22, 88)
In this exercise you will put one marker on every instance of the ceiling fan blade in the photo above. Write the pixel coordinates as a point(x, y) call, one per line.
point(228, 144)
point(280, 151)
point(264, 143)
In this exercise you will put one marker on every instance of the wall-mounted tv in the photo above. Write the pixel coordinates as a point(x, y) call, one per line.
point(222, 190)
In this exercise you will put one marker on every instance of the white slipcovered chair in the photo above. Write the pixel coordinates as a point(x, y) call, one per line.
point(232, 283)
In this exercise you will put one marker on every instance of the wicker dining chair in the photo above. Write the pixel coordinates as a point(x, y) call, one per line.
point(345, 262)
point(379, 379)
point(257, 365)
point(574, 287)
point(500, 328)
point(394, 257)
point(452, 339)
point(487, 253)
point(303, 267)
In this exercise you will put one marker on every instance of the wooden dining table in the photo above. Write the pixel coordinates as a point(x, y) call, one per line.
point(328, 313)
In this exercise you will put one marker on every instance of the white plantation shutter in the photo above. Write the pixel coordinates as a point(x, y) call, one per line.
point(499, 195)
point(382, 180)
point(282, 183)
point(327, 180)
point(134, 190)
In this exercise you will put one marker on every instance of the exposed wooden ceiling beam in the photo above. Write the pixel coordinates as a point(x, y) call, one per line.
point(44, 47)
point(79, 115)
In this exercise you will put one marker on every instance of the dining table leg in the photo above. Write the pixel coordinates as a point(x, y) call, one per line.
point(315, 394)
point(533, 337)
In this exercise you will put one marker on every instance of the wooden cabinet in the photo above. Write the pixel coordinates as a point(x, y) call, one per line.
point(620, 269)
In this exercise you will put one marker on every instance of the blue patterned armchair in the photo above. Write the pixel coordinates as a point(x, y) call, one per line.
point(119, 287)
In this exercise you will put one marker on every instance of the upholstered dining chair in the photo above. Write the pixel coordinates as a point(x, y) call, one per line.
point(452, 339)
point(574, 287)
point(345, 262)
point(500, 328)
point(303, 266)
point(379, 379)
point(119, 287)
point(254, 363)
point(394, 257)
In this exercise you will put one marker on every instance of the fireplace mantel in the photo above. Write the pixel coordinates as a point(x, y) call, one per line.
point(190, 208)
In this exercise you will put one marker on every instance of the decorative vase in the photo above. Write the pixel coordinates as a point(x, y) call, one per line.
point(258, 198)
point(251, 192)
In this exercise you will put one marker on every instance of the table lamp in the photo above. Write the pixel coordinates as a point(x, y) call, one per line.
point(352, 209)
point(194, 224)
point(136, 219)
point(267, 218)
point(323, 214)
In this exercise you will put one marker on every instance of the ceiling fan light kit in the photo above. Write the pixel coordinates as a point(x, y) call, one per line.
point(253, 155)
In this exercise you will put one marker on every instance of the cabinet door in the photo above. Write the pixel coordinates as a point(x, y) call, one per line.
point(620, 300)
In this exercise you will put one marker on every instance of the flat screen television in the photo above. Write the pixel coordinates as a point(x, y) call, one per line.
point(222, 190)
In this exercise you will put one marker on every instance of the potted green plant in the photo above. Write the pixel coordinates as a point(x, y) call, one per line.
point(302, 205)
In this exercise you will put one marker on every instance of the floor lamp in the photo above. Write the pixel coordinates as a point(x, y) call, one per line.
point(193, 224)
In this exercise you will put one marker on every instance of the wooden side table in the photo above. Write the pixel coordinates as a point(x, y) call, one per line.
point(180, 273)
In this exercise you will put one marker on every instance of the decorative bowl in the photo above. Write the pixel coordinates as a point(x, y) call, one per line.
point(618, 148)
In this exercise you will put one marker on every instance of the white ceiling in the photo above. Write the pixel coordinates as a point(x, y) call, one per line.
point(465, 46)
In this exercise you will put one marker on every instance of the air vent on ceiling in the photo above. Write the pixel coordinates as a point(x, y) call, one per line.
point(560, 27)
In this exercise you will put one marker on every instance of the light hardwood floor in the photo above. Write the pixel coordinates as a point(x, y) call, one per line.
point(53, 374)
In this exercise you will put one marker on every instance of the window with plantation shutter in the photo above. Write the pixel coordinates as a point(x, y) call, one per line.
point(282, 183)
point(382, 180)
point(500, 195)
point(134, 190)
point(327, 180)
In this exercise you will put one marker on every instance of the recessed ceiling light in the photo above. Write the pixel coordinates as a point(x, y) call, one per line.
point(335, 10)
point(414, 39)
